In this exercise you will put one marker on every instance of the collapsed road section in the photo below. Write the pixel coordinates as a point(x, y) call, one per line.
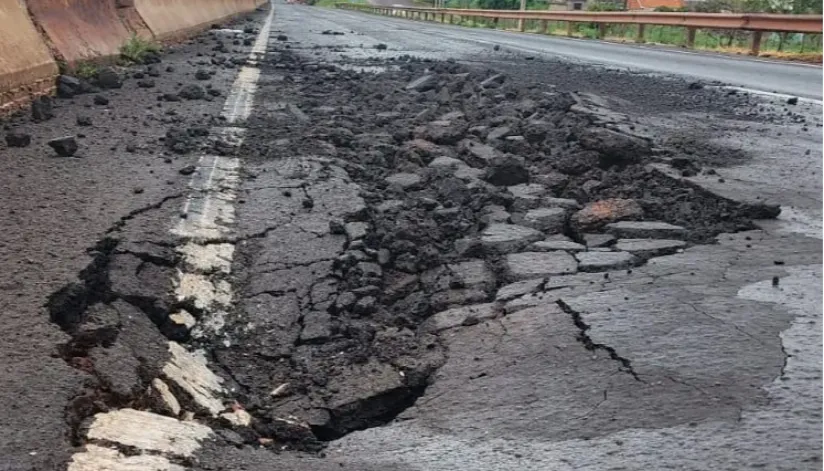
point(379, 211)
point(375, 260)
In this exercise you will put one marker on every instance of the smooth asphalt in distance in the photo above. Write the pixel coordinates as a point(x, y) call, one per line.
point(757, 74)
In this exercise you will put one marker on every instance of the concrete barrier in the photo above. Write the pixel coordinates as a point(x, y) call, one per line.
point(80, 29)
point(26, 66)
point(174, 18)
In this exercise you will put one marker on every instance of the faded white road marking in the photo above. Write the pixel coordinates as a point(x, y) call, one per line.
point(207, 217)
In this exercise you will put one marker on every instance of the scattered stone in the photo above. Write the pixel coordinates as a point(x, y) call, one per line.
point(446, 162)
point(170, 97)
point(615, 148)
point(148, 83)
point(423, 84)
point(600, 213)
point(506, 238)
point(153, 71)
point(202, 74)
point(497, 133)
point(507, 170)
point(68, 86)
point(599, 261)
point(381, 46)
point(792, 100)
point(478, 154)
point(42, 109)
point(645, 230)
point(282, 37)
point(18, 139)
point(100, 100)
point(356, 230)
point(365, 305)
point(775, 281)
point(406, 181)
point(107, 78)
point(552, 245)
point(64, 146)
point(495, 81)
point(647, 248)
point(182, 141)
point(555, 181)
point(192, 92)
point(560, 203)
point(187, 170)
point(495, 214)
point(83, 120)
point(444, 132)
point(547, 220)
point(527, 265)
point(526, 196)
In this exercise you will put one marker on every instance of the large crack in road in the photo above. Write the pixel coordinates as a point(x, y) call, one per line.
point(385, 261)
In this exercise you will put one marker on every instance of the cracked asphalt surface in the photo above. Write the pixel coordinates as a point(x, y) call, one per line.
point(379, 321)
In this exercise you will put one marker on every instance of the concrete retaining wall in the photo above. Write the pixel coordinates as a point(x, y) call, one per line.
point(77, 30)
point(80, 29)
point(171, 18)
point(26, 66)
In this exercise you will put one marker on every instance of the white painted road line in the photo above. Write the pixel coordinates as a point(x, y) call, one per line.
point(207, 214)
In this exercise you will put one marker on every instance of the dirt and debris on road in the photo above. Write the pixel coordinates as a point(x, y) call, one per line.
point(424, 254)
point(432, 185)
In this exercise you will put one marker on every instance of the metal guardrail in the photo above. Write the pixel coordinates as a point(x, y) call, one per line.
point(756, 23)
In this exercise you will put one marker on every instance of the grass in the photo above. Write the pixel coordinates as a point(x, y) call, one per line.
point(331, 3)
point(85, 70)
point(134, 51)
point(799, 47)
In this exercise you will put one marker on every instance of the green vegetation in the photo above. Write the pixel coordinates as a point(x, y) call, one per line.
point(799, 46)
point(331, 3)
point(85, 70)
point(136, 49)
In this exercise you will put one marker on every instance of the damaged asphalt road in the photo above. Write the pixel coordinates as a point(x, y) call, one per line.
point(414, 258)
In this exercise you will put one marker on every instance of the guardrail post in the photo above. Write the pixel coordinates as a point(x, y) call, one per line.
point(451, 19)
point(495, 23)
point(521, 25)
point(690, 38)
point(755, 47)
point(570, 27)
point(443, 17)
point(602, 30)
point(544, 26)
point(639, 38)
